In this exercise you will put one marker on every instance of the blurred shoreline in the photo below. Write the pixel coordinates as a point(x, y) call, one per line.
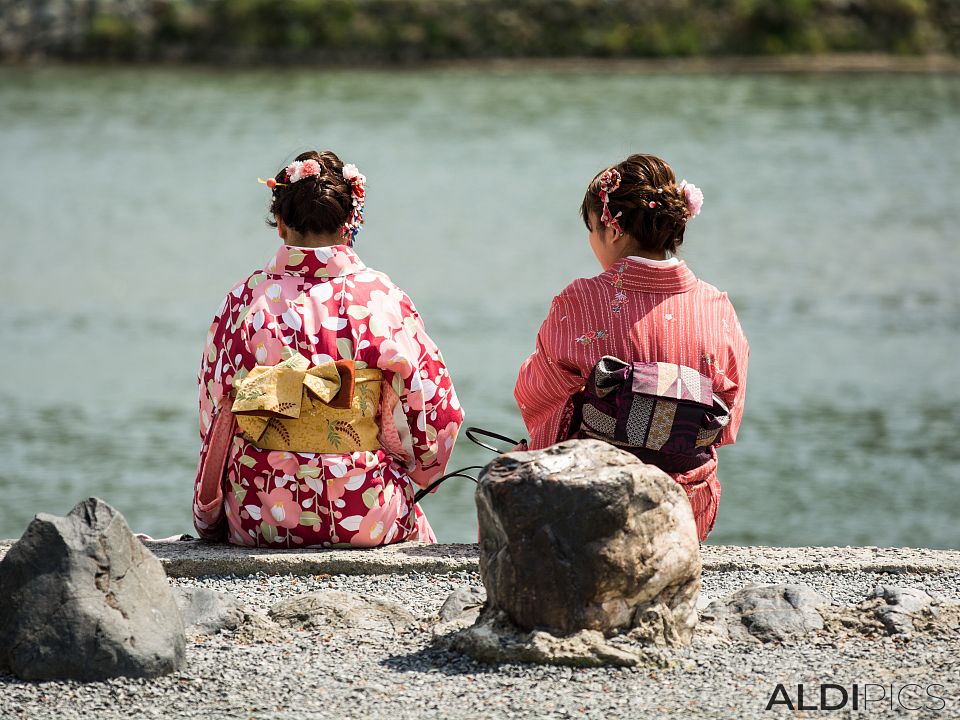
point(349, 33)
point(829, 63)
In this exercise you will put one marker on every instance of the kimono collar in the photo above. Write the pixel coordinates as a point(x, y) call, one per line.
point(630, 274)
point(333, 261)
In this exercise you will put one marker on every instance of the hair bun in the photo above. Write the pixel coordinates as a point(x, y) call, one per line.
point(311, 195)
point(648, 204)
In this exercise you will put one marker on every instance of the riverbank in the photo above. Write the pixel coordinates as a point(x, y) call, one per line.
point(297, 673)
point(346, 32)
point(819, 64)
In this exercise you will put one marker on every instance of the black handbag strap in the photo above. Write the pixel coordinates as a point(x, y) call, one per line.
point(472, 433)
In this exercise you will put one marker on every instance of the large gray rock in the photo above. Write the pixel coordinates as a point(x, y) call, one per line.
point(83, 599)
point(766, 613)
point(583, 536)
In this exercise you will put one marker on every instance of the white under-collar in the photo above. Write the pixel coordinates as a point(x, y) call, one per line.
point(655, 263)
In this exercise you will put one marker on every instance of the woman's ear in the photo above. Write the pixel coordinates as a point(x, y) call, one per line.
point(619, 238)
point(281, 228)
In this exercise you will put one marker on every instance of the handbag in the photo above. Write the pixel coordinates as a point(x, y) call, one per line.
point(664, 413)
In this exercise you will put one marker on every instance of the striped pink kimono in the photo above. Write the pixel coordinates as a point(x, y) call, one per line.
point(638, 311)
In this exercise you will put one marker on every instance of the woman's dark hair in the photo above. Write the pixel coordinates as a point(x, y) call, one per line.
point(317, 204)
point(644, 179)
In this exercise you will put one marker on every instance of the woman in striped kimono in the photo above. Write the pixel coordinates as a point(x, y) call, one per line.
point(646, 307)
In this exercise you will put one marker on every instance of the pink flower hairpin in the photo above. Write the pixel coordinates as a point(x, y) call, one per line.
point(294, 172)
point(300, 169)
point(609, 182)
point(693, 197)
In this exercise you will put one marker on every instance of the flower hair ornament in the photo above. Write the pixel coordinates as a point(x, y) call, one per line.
point(300, 169)
point(609, 182)
point(357, 192)
point(693, 197)
point(297, 170)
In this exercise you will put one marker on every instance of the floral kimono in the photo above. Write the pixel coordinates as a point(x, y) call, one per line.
point(638, 311)
point(308, 314)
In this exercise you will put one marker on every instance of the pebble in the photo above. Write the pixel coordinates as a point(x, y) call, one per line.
point(317, 674)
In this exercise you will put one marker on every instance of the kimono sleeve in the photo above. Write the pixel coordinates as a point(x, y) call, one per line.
point(421, 403)
point(546, 384)
point(731, 380)
point(216, 374)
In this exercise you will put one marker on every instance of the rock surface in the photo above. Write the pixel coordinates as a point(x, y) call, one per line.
point(462, 602)
point(83, 599)
point(258, 629)
point(495, 639)
point(339, 611)
point(766, 613)
point(583, 536)
point(897, 607)
point(206, 612)
point(892, 610)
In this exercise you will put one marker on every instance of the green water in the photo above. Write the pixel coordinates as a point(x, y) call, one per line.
point(129, 204)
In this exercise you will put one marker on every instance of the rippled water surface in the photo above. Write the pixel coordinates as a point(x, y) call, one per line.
point(129, 204)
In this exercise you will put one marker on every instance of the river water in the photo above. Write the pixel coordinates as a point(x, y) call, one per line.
point(129, 205)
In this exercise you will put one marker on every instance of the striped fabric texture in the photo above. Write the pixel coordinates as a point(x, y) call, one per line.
point(639, 313)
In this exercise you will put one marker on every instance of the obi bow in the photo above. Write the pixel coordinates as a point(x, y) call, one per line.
point(295, 406)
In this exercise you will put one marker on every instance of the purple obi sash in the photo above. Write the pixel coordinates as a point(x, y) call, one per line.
point(665, 414)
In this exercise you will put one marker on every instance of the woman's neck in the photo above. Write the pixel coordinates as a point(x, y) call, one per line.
point(648, 255)
point(311, 240)
point(631, 248)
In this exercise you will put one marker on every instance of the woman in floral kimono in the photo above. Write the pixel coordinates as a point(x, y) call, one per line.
point(646, 307)
point(323, 401)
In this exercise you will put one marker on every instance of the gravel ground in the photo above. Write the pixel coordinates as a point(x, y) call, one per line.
point(319, 675)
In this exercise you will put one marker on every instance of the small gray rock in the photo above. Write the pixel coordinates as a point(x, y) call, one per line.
point(897, 607)
point(336, 610)
point(767, 613)
point(83, 599)
point(259, 629)
point(462, 601)
point(207, 612)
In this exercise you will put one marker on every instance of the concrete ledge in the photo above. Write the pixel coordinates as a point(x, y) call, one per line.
point(730, 558)
point(190, 559)
point(196, 558)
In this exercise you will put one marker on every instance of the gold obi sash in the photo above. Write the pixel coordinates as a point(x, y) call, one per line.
point(329, 408)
